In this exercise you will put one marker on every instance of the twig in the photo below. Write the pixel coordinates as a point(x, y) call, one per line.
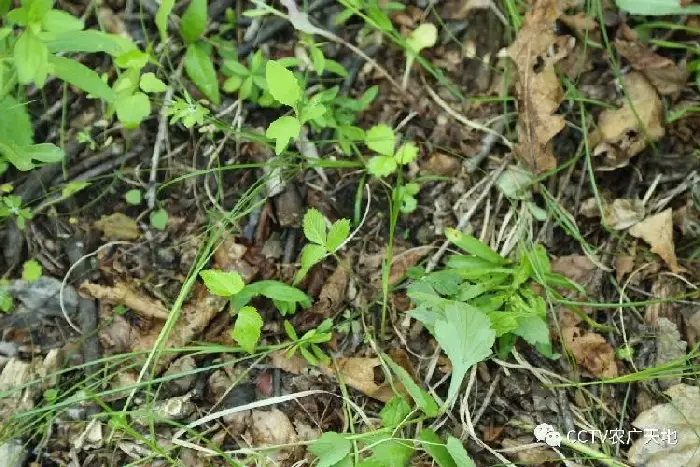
point(488, 183)
point(160, 138)
point(487, 143)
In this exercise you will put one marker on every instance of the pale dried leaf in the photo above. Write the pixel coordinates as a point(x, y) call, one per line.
point(662, 72)
point(535, 52)
point(123, 294)
point(358, 373)
point(591, 351)
point(621, 214)
point(580, 269)
point(680, 416)
point(622, 134)
point(270, 428)
point(118, 226)
point(657, 231)
point(669, 347)
point(294, 364)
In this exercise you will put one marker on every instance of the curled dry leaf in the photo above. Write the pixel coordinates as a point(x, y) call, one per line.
point(591, 351)
point(579, 269)
point(535, 52)
point(624, 132)
point(669, 347)
point(662, 72)
point(358, 373)
point(657, 231)
point(680, 416)
point(621, 214)
point(122, 294)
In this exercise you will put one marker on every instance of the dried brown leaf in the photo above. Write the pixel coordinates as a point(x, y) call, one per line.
point(591, 351)
point(271, 428)
point(662, 72)
point(294, 364)
point(580, 269)
point(621, 214)
point(123, 294)
point(535, 52)
point(118, 226)
point(624, 132)
point(657, 231)
point(358, 373)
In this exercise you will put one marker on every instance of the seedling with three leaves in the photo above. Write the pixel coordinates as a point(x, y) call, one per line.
point(324, 241)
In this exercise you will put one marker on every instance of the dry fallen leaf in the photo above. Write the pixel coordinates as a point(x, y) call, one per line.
point(441, 164)
point(680, 416)
point(122, 294)
point(579, 269)
point(591, 351)
point(624, 132)
point(358, 373)
point(581, 23)
point(657, 231)
point(118, 226)
point(273, 428)
point(399, 264)
point(624, 264)
point(662, 72)
point(669, 348)
point(294, 364)
point(621, 214)
point(535, 52)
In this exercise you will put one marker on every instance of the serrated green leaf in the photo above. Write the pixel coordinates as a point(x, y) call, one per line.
point(423, 400)
point(31, 270)
point(149, 83)
point(503, 322)
point(15, 125)
point(311, 112)
point(164, 10)
point(132, 59)
point(434, 446)
point(133, 197)
point(194, 20)
point(408, 152)
point(60, 21)
point(246, 331)
point(533, 329)
point(310, 255)
point(473, 246)
point(380, 138)
point(458, 453)
point(282, 83)
point(221, 283)
point(24, 157)
point(394, 412)
point(337, 234)
point(283, 130)
point(273, 290)
point(315, 226)
point(159, 219)
point(80, 76)
point(330, 449)
point(31, 58)
point(131, 110)
point(467, 339)
point(200, 69)
point(381, 166)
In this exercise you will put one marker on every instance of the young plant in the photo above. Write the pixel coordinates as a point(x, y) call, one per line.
point(187, 111)
point(285, 89)
point(248, 81)
point(308, 344)
point(198, 62)
point(376, 12)
point(381, 139)
point(422, 37)
point(481, 296)
point(246, 330)
point(11, 206)
point(324, 241)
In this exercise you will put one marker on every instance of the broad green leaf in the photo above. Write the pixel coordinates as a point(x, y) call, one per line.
point(657, 7)
point(60, 21)
point(283, 130)
point(310, 255)
point(80, 76)
point(200, 69)
point(315, 226)
point(406, 153)
point(318, 60)
point(127, 83)
point(334, 67)
point(23, 157)
point(458, 453)
point(131, 110)
point(311, 112)
point(423, 400)
point(422, 37)
point(337, 234)
point(395, 411)
point(246, 331)
point(133, 197)
point(15, 125)
point(235, 67)
point(31, 270)
point(221, 283)
point(233, 84)
point(473, 246)
point(390, 452)
point(282, 84)
point(132, 59)
point(90, 41)
point(445, 282)
point(36, 9)
point(164, 10)
point(31, 59)
point(533, 329)
point(159, 219)
point(72, 188)
point(330, 449)
point(149, 83)
point(467, 339)
point(503, 322)
point(381, 166)
point(434, 446)
point(273, 290)
point(194, 20)
point(380, 138)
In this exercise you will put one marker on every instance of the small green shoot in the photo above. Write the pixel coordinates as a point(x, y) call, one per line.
point(308, 344)
point(324, 242)
point(133, 197)
point(31, 270)
point(381, 139)
point(159, 219)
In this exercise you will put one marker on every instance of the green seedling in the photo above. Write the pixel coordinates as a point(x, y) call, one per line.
point(381, 139)
point(308, 344)
point(324, 241)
